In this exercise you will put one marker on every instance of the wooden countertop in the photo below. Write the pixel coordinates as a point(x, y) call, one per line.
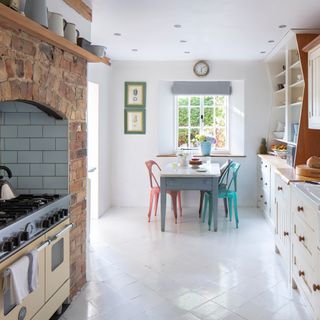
point(287, 173)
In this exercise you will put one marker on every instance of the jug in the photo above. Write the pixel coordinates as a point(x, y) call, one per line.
point(55, 23)
point(37, 11)
point(70, 31)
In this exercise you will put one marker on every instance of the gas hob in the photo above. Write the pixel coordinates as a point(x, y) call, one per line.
point(26, 217)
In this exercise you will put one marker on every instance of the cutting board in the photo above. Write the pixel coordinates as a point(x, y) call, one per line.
point(304, 170)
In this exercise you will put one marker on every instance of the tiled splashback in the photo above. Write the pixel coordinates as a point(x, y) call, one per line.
point(35, 147)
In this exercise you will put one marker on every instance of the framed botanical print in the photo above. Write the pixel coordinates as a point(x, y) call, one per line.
point(135, 121)
point(135, 94)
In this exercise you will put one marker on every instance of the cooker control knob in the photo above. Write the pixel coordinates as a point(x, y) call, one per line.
point(7, 246)
point(16, 240)
point(51, 219)
point(61, 214)
point(45, 223)
point(65, 212)
point(56, 217)
point(25, 235)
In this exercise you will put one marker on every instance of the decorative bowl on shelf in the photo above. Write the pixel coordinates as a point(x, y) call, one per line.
point(281, 153)
point(278, 134)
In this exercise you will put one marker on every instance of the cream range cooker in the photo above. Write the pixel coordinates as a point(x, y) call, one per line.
point(36, 222)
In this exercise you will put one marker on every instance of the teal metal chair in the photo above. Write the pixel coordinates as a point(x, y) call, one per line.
point(227, 190)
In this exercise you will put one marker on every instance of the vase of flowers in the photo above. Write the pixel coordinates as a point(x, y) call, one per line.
point(205, 144)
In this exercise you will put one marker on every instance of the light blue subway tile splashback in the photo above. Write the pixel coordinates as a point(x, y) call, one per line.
point(55, 182)
point(55, 157)
point(42, 144)
point(30, 156)
point(8, 131)
point(42, 170)
point(30, 182)
point(9, 156)
point(16, 144)
point(16, 118)
point(55, 131)
point(61, 144)
point(42, 119)
point(19, 170)
point(62, 170)
point(30, 131)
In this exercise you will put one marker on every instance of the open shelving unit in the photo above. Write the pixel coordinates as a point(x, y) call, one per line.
point(16, 20)
point(288, 72)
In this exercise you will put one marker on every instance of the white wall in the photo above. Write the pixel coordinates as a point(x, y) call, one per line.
point(129, 152)
point(83, 25)
point(100, 73)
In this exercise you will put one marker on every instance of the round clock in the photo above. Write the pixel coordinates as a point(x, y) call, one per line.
point(201, 68)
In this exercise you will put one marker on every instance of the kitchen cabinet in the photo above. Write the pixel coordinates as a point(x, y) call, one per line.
point(282, 219)
point(314, 87)
point(305, 252)
point(264, 184)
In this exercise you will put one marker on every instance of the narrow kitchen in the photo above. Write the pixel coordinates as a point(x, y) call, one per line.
point(159, 160)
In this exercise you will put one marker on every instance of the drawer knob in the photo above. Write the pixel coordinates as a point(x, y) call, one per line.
point(266, 184)
point(285, 233)
point(266, 166)
point(300, 209)
point(261, 179)
point(279, 188)
point(261, 196)
point(265, 202)
point(316, 287)
point(301, 238)
point(301, 273)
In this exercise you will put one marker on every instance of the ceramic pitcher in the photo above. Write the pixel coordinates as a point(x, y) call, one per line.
point(55, 23)
point(70, 31)
point(37, 11)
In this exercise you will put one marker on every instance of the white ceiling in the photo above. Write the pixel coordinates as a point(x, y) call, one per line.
point(214, 29)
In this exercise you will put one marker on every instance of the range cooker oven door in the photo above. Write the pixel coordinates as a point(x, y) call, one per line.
point(35, 300)
point(57, 258)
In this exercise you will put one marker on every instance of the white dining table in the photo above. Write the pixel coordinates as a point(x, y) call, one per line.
point(174, 177)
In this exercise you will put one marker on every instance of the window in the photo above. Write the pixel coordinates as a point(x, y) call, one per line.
point(202, 115)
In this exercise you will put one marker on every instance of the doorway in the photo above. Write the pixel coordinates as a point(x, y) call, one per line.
point(93, 155)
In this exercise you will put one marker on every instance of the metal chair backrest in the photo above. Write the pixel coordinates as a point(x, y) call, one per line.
point(150, 165)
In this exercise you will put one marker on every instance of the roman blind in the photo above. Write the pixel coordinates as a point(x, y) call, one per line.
point(201, 88)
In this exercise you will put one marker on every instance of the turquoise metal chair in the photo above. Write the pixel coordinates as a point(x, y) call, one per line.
point(227, 190)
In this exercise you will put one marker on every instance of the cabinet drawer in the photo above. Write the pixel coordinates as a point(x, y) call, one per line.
point(304, 277)
point(304, 238)
point(189, 183)
point(282, 190)
point(301, 207)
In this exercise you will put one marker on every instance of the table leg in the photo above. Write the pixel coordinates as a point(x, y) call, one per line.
point(214, 194)
point(163, 194)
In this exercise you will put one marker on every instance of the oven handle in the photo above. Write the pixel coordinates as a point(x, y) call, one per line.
point(62, 232)
point(42, 246)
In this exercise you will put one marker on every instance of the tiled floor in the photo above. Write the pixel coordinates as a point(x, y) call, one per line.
point(187, 273)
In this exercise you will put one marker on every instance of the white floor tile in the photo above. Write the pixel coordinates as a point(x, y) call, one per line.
point(136, 272)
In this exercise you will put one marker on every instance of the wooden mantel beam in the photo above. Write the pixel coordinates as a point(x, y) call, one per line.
point(81, 8)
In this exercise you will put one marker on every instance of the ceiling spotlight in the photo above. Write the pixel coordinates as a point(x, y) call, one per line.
point(183, 41)
point(262, 52)
point(134, 50)
point(187, 52)
point(177, 26)
point(271, 41)
point(282, 26)
point(117, 34)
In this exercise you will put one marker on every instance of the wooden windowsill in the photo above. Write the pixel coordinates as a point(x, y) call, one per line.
point(215, 155)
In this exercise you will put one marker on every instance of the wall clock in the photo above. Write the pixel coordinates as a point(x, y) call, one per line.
point(201, 68)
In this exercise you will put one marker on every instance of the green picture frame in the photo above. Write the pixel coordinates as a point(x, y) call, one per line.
point(135, 94)
point(134, 121)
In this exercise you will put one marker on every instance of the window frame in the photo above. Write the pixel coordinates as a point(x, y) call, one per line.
point(226, 150)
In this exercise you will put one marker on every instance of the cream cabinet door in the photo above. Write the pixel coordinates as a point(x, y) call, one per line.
point(314, 89)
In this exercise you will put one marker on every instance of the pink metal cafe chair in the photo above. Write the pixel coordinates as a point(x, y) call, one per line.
point(155, 192)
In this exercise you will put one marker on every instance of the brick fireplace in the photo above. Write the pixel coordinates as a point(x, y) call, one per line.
point(56, 81)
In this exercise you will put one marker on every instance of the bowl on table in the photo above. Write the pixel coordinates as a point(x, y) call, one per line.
point(195, 163)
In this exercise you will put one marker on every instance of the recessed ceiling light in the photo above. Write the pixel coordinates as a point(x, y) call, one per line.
point(271, 41)
point(177, 26)
point(183, 41)
point(187, 52)
point(117, 34)
point(262, 52)
point(134, 50)
point(282, 26)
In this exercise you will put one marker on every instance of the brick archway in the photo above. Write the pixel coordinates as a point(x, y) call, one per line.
point(55, 81)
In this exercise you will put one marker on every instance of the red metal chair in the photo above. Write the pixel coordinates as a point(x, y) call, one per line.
point(155, 192)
